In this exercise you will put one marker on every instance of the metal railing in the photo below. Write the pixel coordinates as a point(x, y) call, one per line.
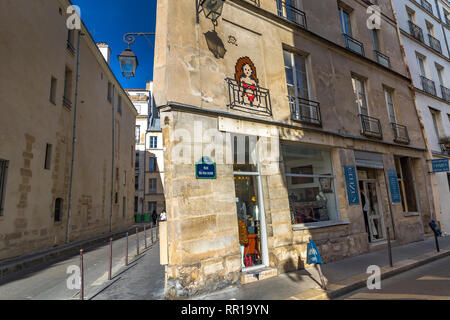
point(447, 21)
point(254, 99)
point(67, 102)
point(427, 6)
point(371, 127)
point(305, 111)
point(383, 59)
point(415, 31)
point(435, 44)
point(292, 14)
point(353, 44)
point(445, 93)
point(400, 133)
point(428, 85)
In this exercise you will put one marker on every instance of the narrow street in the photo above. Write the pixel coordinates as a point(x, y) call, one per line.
point(49, 282)
point(429, 282)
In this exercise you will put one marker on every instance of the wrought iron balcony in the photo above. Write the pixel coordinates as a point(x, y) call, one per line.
point(371, 127)
point(292, 14)
point(415, 31)
point(67, 102)
point(428, 85)
point(252, 99)
point(427, 6)
point(353, 44)
point(435, 44)
point(305, 111)
point(400, 133)
point(383, 59)
point(445, 93)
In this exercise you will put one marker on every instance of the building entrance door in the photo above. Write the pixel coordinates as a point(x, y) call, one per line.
point(251, 221)
point(372, 209)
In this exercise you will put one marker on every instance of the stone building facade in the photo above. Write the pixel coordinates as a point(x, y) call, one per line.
point(289, 106)
point(425, 34)
point(38, 100)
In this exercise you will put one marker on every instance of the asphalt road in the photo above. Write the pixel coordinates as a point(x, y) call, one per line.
point(428, 282)
point(49, 281)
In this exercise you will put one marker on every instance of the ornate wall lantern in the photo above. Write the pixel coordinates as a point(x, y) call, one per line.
point(211, 8)
point(128, 63)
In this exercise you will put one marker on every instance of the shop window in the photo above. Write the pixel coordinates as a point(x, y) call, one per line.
point(407, 184)
point(244, 153)
point(310, 183)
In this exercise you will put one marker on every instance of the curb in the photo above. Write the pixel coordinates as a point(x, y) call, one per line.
point(387, 272)
point(20, 264)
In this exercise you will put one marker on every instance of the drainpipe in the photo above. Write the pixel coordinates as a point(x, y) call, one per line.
point(74, 139)
point(112, 159)
point(434, 204)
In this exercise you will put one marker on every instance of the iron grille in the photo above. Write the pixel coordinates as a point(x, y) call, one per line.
point(255, 101)
point(353, 44)
point(435, 44)
point(415, 31)
point(383, 59)
point(400, 133)
point(445, 93)
point(371, 126)
point(292, 14)
point(305, 111)
point(428, 85)
point(427, 6)
point(67, 102)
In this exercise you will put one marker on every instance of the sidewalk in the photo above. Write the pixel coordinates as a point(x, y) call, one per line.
point(342, 276)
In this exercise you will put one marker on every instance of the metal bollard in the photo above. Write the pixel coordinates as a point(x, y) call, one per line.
point(137, 241)
point(145, 236)
point(126, 255)
point(437, 242)
point(151, 232)
point(389, 248)
point(110, 258)
point(82, 275)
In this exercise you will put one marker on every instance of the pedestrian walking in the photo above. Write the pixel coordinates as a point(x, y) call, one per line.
point(163, 216)
point(154, 217)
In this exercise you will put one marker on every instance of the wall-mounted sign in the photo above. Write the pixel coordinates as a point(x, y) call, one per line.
point(352, 185)
point(393, 184)
point(440, 165)
point(206, 169)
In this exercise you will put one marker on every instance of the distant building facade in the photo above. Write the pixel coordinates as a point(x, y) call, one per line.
point(282, 126)
point(39, 190)
point(149, 194)
point(425, 34)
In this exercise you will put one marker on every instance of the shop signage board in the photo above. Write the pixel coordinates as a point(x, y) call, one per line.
point(440, 165)
point(393, 184)
point(206, 169)
point(352, 185)
point(313, 254)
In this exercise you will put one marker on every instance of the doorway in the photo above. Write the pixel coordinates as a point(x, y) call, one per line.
point(372, 206)
point(251, 221)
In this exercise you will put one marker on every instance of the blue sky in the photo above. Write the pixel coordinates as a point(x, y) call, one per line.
point(108, 21)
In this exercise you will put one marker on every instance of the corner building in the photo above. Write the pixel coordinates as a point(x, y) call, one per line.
point(315, 135)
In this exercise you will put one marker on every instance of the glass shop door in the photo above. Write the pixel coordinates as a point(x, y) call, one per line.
point(372, 210)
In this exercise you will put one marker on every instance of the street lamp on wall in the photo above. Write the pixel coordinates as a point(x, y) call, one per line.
point(127, 59)
point(211, 8)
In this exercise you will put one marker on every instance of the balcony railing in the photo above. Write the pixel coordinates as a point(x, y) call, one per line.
point(400, 133)
point(447, 21)
point(383, 59)
point(427, 6)
point(67, 102)
point(252, 99)
point(428, 85)
point(415, 31)
point(305, 111)
point(292, 14)
point(353, 44)
point(435, 44)
point(445, 93)
point(371, 127)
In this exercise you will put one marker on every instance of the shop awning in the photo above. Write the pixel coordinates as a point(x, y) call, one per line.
point(369, 160)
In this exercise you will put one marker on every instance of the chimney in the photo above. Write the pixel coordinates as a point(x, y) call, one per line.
point(105, 50)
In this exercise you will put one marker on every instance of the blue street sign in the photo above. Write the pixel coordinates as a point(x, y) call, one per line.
point(313, 254)
point(206, 169)
point(352, 185)
point(393, 184)
point(440, 165)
